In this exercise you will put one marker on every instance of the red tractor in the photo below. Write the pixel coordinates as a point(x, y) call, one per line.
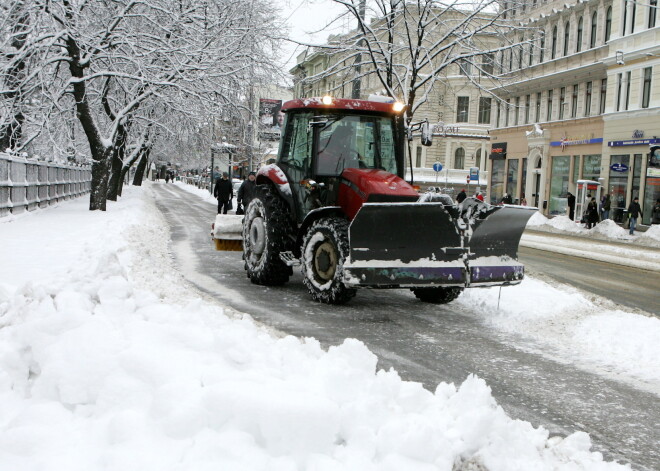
point(336, 204)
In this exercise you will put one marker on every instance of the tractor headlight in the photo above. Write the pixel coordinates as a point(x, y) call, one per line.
point(326, 100)
point(397, 107)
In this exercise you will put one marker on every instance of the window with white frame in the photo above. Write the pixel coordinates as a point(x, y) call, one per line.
point(462, 109)
point(653, 9)
point(619, 84)
point(578, 36)
point(603, 96)
point(646, 86)
point(549, 106)
point(484, 110)
point(587, 99)
point(574, 101)
point(562, 101)
point(528, 100)
point(594, 29)
point(459, 158)
point(567, 33)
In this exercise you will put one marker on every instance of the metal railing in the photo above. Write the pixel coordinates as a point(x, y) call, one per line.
point(27, 184)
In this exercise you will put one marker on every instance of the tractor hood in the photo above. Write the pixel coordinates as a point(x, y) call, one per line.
point(379, 182)
point(360, 186)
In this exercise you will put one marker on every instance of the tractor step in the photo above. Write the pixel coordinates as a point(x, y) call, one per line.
point(289, 259)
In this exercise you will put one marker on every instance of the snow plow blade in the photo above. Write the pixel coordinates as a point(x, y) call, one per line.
point(412, 245)
point(227, 232)
point(494, 244)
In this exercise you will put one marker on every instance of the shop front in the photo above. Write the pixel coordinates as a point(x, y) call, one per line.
point(634, 171)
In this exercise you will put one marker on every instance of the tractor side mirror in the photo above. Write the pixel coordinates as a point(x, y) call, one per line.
point(409, 134)
point(427, 134)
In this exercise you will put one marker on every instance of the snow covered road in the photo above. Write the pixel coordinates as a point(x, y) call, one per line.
point(532, 381)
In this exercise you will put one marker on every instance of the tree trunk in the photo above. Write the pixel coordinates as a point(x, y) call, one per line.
point(115, 176)
point(97, 196)
point(141, 168)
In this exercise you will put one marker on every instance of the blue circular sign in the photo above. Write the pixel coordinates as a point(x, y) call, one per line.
point(619, 167)
point(437, 166)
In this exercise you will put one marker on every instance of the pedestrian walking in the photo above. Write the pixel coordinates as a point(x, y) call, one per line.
point(167, 177)
point(607, 204)
point(246, 192)
point(479, 196)
point(523, 200)
point(224, 192)
point(592, 213)
point(655, 212)
point(634, 211)
point(571, 206)
point(461, 196)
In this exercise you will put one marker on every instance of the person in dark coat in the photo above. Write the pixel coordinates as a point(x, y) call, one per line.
point(571, 206)
point(507, 199)
point(224, 193)
point(655, 213)
point(607, 205)
point(634, 211)
point(246, 191)
point(461, 196)
point(592, 213)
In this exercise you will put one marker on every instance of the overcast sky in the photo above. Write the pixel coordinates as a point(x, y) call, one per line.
point(306, 18)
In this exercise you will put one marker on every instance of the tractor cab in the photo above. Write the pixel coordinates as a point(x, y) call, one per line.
point(320, 143)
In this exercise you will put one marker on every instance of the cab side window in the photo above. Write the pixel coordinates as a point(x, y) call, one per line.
point(297, 146)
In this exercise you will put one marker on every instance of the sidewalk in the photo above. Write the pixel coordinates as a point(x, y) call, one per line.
point(629, 253)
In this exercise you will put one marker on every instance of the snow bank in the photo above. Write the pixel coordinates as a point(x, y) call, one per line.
point(604, 230)
point(652, 235)
point(108, 360)
point(566, 323)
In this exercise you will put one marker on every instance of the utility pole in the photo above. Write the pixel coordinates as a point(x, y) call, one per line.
point(212, 156)
point(357, 85)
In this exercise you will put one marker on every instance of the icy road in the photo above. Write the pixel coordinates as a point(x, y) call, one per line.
point(427, 343)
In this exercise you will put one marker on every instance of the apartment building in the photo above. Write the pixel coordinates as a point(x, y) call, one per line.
point(460, 111)
point(580, 94)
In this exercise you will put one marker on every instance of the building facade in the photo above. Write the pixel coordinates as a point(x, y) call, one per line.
point(580, 100)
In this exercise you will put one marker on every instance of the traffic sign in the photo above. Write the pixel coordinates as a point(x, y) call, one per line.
point(437, 167)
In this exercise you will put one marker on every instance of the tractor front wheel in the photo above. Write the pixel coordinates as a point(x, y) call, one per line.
point(324, 250)
point(437, 295)
point(267, 231)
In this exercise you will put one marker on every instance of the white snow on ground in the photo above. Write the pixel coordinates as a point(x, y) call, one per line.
point(567, 324)
point(110, 361)
point(605, 230)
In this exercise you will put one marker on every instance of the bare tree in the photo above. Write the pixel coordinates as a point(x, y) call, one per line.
point(111, 60)
point(407, 48)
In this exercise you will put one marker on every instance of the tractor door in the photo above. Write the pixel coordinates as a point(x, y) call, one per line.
point(295, 161)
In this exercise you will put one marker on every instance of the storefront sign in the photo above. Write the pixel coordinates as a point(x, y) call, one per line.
point(634, 142)
point(498, 151)
point(575, 142)
point(619, 167)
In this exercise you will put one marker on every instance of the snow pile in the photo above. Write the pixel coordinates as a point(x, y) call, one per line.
point(652, 235)
point(109, 361)
point(537, 219)
point(610, 230)
point(621, 344)
point(564, 224)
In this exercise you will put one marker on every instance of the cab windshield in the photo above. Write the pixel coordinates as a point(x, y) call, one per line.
point(355, 142)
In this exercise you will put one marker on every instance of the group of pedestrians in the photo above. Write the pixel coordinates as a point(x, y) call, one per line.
point(460, 197)
point(224, 193)
point(594, 213)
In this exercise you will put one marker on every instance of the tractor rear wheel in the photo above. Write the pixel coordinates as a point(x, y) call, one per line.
point(267, 231)
point(324, 250)
point(437, 295)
